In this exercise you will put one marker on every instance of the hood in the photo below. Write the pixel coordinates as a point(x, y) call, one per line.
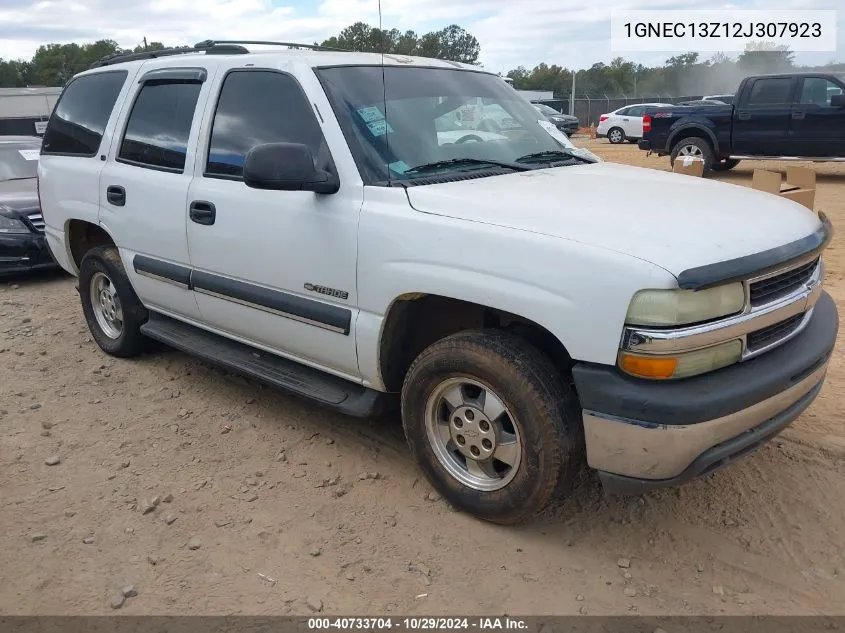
point(19, 196)
point(674, 221)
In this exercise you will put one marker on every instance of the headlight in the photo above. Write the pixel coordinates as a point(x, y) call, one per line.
point(11, 225)
point(682, 365)
point(682, 307)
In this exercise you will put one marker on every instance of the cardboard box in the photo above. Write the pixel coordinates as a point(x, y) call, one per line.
point(799, 185)
point(689, 166)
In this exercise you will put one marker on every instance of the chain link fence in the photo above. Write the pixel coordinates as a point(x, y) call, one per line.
point(588, 109)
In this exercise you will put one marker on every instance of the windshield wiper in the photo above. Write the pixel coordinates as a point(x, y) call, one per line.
point(552, 155)
point(458, 162)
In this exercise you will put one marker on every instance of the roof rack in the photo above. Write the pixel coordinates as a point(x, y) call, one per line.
point(313, 47)
point(208, 47)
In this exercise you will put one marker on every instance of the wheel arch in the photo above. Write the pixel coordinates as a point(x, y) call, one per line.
point(693, 130)
point(415, 320)
point(82, 236)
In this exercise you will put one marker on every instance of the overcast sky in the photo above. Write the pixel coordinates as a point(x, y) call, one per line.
point(511, 32)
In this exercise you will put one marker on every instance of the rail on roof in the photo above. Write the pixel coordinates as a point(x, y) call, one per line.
point(208, 47)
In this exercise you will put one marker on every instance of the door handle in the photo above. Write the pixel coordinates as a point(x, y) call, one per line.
point(798, 114)
point(743, 116)
point(626, 119)
point(202, 212)
point(116, 195)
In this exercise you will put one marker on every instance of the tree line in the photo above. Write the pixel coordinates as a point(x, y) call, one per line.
point(680, 75)
point(54, 64)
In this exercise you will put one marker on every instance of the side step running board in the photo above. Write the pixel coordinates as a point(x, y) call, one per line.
point(330, 391)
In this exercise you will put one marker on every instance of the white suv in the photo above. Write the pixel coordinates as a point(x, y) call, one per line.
point(295, 216)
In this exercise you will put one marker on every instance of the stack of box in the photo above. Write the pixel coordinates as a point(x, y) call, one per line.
point(800, 184)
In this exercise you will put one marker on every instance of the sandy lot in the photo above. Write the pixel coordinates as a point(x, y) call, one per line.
point(268, 505)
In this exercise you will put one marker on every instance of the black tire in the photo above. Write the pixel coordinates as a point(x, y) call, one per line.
point(105, 260)
point(620, 138)
point(725, 165)
point(545, 411)
point(702, 145)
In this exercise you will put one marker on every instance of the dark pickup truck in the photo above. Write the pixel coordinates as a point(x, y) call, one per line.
point(795, 116)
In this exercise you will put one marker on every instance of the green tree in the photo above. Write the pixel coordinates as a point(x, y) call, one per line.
point(452, 42)
point(765, 57)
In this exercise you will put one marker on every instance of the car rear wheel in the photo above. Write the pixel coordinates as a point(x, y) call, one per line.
point(112, 309)
point(616, 135)
point(492, 424)
point(693, 146)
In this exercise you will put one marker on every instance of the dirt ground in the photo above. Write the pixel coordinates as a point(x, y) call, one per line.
point(268, 505)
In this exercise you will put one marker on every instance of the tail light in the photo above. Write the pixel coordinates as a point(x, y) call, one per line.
point(646, 123)
point(603, 117)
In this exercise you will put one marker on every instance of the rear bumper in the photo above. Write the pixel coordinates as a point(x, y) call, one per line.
point(642, 434)
point(22, 253)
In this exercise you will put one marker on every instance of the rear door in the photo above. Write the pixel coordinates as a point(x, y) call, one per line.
point(762, 118)
point(144, 185)
point(817, 128)
point(634, 124)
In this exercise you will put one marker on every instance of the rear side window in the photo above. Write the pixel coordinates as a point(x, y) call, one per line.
point(159, 126)
point(256, 107)
point(772, 91)
point(77, 124)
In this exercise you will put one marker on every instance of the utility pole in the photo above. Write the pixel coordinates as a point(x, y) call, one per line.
point(145, 43)
point(572, 95)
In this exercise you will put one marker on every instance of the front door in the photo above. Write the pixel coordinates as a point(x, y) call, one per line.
point(761, 122)
point(818, 128)
point(144, 185)
point(276, 269)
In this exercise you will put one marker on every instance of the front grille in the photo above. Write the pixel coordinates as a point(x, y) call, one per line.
point(37, 221)
point(772, 334)
point(773, 288)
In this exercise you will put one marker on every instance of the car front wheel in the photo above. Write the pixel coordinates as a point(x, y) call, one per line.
point(492, 424)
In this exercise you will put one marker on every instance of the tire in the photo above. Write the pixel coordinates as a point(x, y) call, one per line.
point(693, 146)
point(540, 411)
point(725, 165)
point(102, 271)
point(616, 135)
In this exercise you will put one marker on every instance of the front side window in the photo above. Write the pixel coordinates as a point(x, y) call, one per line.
point(257, 107)
point(405, 123)
point(159, 125)
point(83, 110)
point(818, 91)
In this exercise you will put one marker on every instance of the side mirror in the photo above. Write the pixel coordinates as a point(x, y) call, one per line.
point(286, 167)
point(838, 101)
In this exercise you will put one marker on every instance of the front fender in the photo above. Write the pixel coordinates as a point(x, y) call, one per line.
point(579, 293)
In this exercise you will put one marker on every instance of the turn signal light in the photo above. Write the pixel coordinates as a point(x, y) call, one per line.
point(655, 367)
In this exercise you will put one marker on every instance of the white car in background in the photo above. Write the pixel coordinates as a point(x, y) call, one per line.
point(625, 123)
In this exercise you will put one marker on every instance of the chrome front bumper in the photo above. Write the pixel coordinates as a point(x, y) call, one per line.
point(643, 434)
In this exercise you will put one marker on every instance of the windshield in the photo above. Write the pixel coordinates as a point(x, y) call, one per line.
point(18, 161)
point(398, 119)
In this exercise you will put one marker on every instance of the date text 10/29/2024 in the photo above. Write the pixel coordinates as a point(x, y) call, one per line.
point(419, 623)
